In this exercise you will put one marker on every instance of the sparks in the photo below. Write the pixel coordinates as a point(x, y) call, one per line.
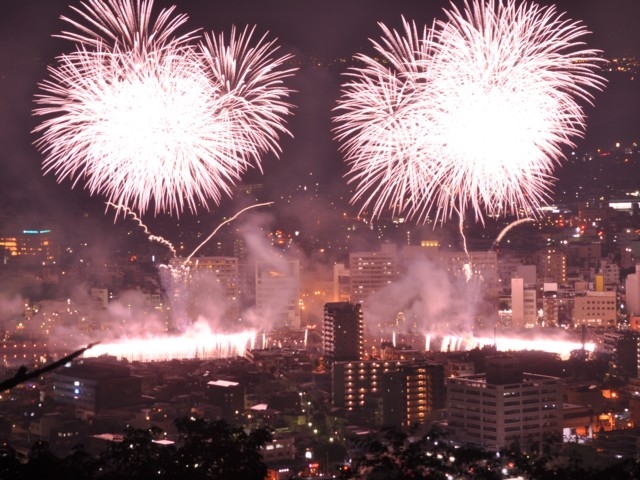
point(551, 344)
point(472, 113)
point(195, 343)
point(154, 120)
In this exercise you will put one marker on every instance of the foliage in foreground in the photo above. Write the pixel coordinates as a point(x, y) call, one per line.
point(397, 455)
point(205, 450)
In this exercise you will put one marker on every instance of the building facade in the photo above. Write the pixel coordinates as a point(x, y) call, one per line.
point(343, 332)
point(370, 271)
point(505, 407)
point(595, 309)
point(390, 394)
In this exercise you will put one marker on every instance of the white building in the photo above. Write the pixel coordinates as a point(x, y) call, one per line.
point(595, 309)
point(611, 272)
point(341, 283)
point(504, 407)
point(523, 304)
point(370, 271)
point(632, 290)
point(278, 293)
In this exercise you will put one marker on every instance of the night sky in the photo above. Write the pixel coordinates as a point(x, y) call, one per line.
point(326, 29)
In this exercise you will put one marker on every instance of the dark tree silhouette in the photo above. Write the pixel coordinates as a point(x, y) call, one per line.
point(218, 450)
point(137, 456)
point(205, 450)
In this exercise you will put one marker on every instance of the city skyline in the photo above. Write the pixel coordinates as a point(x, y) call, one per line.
point(310, 315)
point(332, 33)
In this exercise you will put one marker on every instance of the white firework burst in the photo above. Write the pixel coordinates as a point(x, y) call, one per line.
point(141, 115)
point(489, 99)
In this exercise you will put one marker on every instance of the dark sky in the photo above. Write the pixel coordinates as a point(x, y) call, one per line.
point(327, 28)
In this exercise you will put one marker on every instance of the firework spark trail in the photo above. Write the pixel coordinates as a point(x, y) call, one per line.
point(156, 120)
point(471, 114)
point(167, 243)
point(230, 219)
point(506, 229)
point(145, 229)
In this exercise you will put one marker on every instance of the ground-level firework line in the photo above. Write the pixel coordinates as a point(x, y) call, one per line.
point(228, 220)
point(194, 343)
point(150, 236)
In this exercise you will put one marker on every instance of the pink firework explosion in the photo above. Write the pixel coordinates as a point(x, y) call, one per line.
point(470, 114)
point(154, 120)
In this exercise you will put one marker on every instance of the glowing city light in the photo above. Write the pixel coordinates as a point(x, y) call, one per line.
point(154, 120)
point(472, 113)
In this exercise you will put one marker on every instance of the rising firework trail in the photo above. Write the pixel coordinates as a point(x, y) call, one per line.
point(222, 224)
point(154, 120)
point(145, 229)
point(470, 114)
point(506, 229)
point(167, 243)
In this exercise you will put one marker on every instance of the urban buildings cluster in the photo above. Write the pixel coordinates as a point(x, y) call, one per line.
point(346, 341)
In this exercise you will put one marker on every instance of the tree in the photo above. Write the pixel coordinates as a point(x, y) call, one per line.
point(218, 450)
point(137, 456)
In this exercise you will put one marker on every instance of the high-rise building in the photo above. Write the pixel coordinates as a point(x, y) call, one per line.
point(343, 332)
point(632, 291)
point(404, 392)
point(482, 264)
point(278, 293)
point(552, 266)
point(341, 283)
point(370, 271)
point(34, 246)
point(228, 396)
point(207, 278)
point(505, 407)
point(523, 304)
point(550, 304)
point(93, 387)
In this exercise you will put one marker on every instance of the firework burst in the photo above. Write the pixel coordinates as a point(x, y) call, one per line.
point(470, 114)
point(156, 120)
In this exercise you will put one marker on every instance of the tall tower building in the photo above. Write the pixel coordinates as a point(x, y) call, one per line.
point(610, 271)
point(553, 266)
point(225, 272)
point(341, 286)
point(405, 392)
point(632, 290)
point(550, 305)
point(523, 304)
point(370, 271)
point(278, 292)
point(343, 332)
point(482, 264)
point(30, 247)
